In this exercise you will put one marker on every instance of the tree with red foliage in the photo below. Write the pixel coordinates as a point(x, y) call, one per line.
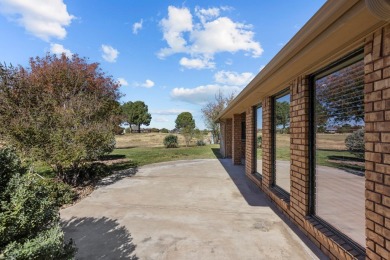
point(60, 110)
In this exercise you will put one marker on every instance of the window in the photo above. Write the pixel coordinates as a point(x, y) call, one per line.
point(338, 147)
point(243, 130)
point(258, 138)
point(281, 140)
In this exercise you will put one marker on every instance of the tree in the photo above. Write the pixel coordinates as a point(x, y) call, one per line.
point(60, 110)
point(211, 111)
point(186, 124)
point(136, 113)
point(341, 94)
point(282, 114)
point(355, 143)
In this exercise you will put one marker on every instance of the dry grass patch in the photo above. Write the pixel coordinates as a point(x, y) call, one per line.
point(148, 140)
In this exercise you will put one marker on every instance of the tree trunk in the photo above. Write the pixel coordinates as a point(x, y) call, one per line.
point(139, 128)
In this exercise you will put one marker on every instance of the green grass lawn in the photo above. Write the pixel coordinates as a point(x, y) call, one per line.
point(140, 156)
point(147, 155)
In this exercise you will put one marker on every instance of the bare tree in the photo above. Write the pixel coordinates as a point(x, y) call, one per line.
point(211, 111)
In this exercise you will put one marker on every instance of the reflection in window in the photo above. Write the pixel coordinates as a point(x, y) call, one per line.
point(339, 148)
point(281, 118)
point(259, 139)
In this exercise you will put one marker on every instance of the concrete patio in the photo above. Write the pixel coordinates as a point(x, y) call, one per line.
point(199, 209)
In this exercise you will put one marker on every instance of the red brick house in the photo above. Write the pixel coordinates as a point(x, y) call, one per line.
point(333, 74)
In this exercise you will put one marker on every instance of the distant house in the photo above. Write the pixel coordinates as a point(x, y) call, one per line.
point(331, 130)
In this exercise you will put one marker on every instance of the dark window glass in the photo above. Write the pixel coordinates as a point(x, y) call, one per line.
point(281, 122)
point(339, 148)
point(259, 138)
point(243, 130)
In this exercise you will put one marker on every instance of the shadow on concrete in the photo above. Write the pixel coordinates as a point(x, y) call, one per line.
point(101, 238)
point(255, 197)
point(117, 176)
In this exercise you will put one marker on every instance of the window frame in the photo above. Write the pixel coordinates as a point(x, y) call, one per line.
point(255, 108)
point(282, 192)
point(344, 62)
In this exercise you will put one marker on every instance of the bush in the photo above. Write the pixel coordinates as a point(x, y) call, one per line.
point(155, 130)
point(164, 130)
point(170, 141)
point(88, 172)
point(10, 165)
point(200, 143)
point(61, 192)
point(355, 143)
point(119, 130)
point(60, 110)
point(29, 219)
point(46, 245)
point(259, 141)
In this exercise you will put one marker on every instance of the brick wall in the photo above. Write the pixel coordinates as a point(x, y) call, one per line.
point(243, 141)
point(236, 147)
point(266, 144)
point(229, 137)
point(299, 149)
point(222, 147)
point(377, 137)
point(250, 160)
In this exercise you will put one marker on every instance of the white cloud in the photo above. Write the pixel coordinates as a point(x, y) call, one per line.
point(58, 49)
point(233, 78)
point(169, 112)
point(43, 19)
point(147, 84)
point(224, 35)
point(137, 26)
point(206, 14)
point(202, 94)
point(202, 40)
point(110, 54)
point(122, 82)
point(179, 21)
point(196, 63)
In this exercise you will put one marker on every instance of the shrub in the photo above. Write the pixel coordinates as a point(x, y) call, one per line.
point(164, 130)
point(155, 130)
point(259, 141)
point(88, 172)
point(59, 110)
point(200, 143)
point(119, 130)
point(355, 143)
point(10, 165)
point(61, 192)
point(170, 141)
point(46, 245)
point(29, 219)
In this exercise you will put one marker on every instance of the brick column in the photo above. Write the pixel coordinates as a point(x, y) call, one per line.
point(222, 140)
point(250, 160)
point(377, 140)
point(228, 138)
point(243, 145)
point(236, 148)
point(299, 148)
point(266, 143)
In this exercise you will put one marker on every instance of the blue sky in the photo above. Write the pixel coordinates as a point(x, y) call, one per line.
point(173, 55)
